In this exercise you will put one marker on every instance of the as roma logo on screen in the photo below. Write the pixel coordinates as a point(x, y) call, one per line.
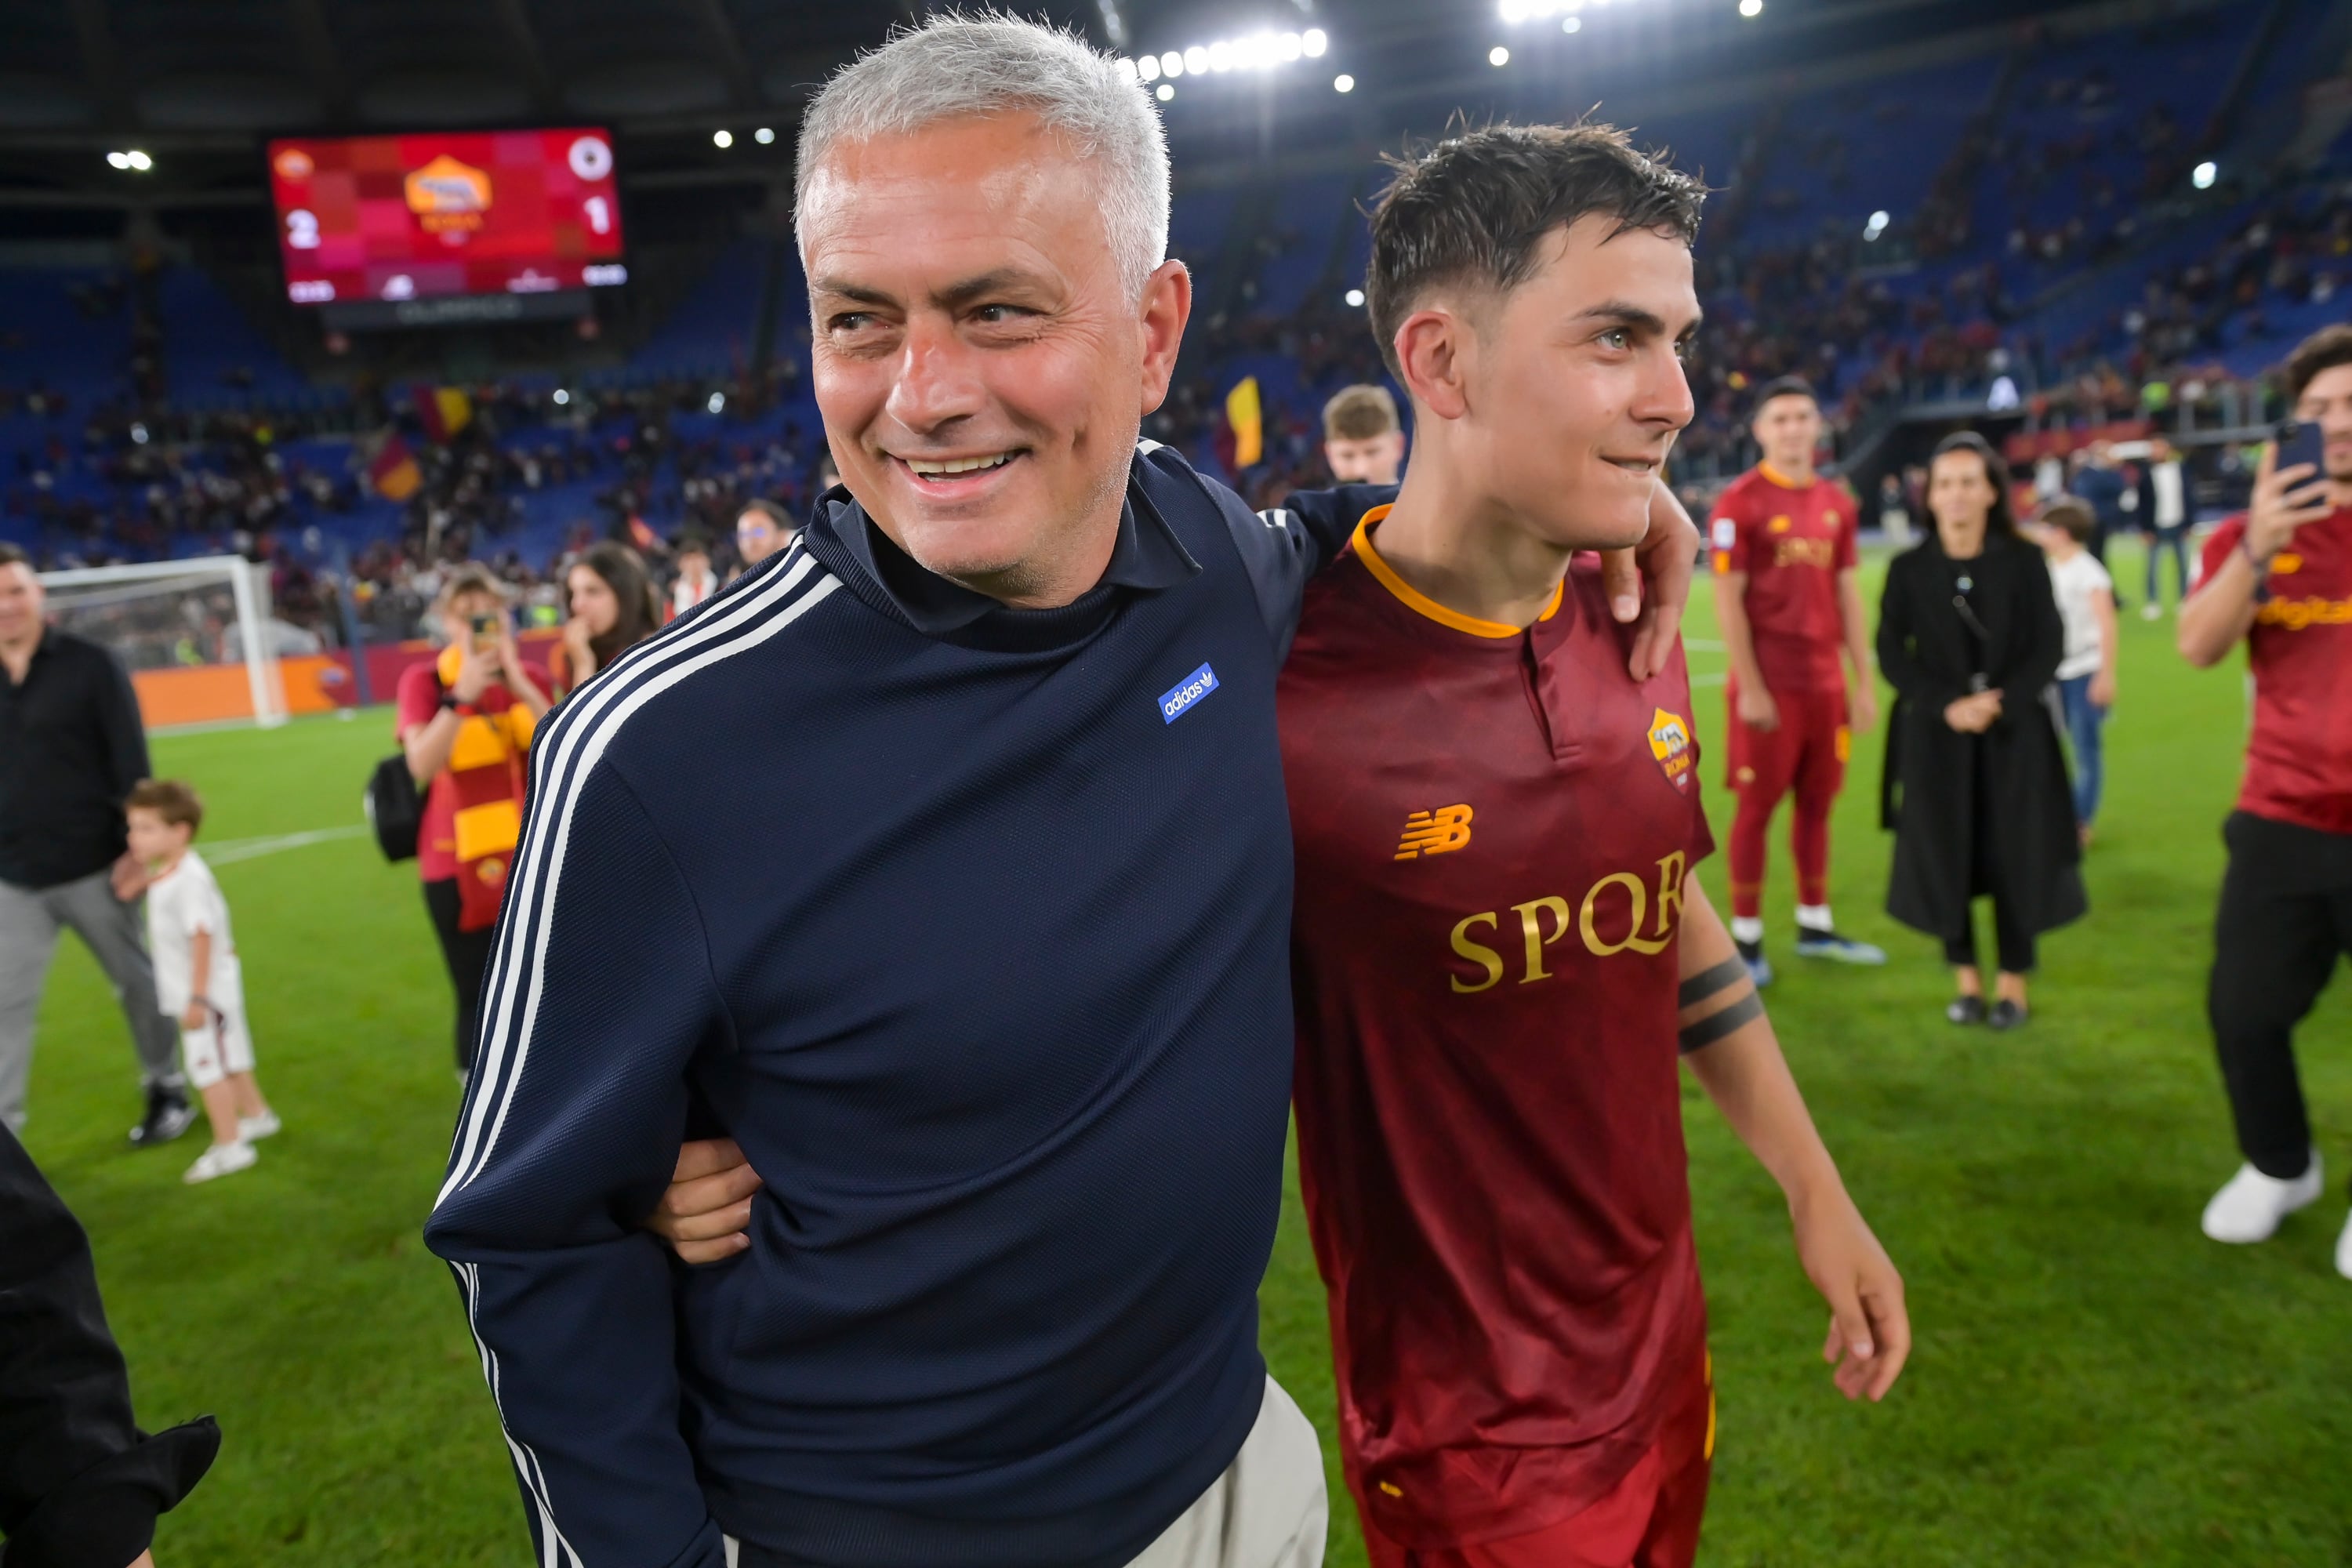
point(1670, 742)
point(449, 196)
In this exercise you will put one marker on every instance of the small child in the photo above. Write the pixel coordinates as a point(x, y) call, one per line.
point(2086, 674)
point(196, 975)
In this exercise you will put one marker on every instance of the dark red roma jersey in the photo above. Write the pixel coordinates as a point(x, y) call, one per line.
point(2299, 758)
point(1492, 828)
point(1792, 540)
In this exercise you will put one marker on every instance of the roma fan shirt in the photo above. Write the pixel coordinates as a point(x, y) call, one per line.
point(1492, 828)
point(2299, 759)
point(1792, 542)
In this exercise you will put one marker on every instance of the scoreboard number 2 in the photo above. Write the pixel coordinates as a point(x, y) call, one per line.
point(302, 229)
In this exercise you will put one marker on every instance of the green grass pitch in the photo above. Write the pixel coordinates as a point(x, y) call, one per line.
point(2093, 1383)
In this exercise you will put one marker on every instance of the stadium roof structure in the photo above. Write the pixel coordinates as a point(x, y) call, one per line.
point(193, 85)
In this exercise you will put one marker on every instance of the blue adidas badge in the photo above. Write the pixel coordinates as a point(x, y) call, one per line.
point(1179, 699)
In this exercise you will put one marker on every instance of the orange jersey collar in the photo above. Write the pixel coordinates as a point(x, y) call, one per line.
point(1422, 603)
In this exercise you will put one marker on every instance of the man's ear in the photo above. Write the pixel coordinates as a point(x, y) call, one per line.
point(1434, 351)
point(1166, 306)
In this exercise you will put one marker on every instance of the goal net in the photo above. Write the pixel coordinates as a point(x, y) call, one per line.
point(196, 636)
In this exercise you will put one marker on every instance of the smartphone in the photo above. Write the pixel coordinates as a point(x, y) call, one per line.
point(2300, 443)
point(486, 633)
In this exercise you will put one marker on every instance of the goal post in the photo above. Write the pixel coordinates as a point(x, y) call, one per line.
point(196, 636)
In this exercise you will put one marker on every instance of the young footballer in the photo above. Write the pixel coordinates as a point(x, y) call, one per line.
point(1363, 441)
point(197, 978)
point(1782, 538)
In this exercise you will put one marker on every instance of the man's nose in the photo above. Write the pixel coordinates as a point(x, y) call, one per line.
point(937, 380)
point(1664, 396)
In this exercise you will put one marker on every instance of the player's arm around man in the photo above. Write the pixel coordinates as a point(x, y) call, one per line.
point(1730, 1047)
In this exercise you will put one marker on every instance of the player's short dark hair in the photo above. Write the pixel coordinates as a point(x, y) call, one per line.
point(1359, 413)
point(1783, 386)
point(171, 799)
point(1478, 207)
point(13, 555)
point(2324, 350)
point(775, 514)
point(2080, 522)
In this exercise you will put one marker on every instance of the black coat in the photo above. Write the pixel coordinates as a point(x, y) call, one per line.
point(80, 1484)
point(1929, 793)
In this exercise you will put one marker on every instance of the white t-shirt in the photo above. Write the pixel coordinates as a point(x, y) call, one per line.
point(180, 903)
point(2171, 504)
point(2074, 582)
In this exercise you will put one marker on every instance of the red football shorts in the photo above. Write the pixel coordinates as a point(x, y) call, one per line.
point(1649, 1519)
point(1807, 752)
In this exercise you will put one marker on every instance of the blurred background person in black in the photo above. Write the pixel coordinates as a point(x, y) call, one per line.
point(79, 1484)
point(1975, 787)
point(71, 746)
point(613, 607)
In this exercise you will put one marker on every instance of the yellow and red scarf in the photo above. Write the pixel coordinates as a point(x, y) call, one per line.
point(486, 773)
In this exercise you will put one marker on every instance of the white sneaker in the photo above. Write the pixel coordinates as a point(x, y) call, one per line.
point(2344, 1250)
point(221, 1160)
point(2250, 1207)
point(250, 1129)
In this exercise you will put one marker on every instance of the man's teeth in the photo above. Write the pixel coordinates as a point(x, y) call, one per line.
point(957, 466)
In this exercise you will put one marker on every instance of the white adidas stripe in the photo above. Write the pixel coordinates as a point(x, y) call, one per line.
point(556, 1552)
point(626, 687)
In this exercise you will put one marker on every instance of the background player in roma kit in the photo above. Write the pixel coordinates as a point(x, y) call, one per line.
point(1782, 538)
point(1494, 939)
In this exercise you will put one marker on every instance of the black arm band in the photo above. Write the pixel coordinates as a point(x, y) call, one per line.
point(1715, 1026)
point(1708, 981)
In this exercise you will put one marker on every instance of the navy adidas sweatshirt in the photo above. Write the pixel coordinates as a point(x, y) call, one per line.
point(970, 924)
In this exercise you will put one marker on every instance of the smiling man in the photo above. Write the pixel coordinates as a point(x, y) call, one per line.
point(1007, 1028)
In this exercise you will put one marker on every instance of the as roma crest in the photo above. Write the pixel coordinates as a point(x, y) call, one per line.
point(1670, 742)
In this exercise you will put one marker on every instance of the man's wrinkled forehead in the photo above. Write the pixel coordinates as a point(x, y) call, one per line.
point(975, 185)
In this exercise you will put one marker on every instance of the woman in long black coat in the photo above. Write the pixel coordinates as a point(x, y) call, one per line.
point(1975, 787)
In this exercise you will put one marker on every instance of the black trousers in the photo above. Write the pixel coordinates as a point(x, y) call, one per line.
point(467, 954)
point(2285, 919)
point(2014, 946)
point(2014, 941)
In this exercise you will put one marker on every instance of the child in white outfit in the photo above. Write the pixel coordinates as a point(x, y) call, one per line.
point(197, 978)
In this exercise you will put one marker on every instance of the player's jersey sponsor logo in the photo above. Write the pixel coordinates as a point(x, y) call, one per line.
point(1800, 551)
point(2296, 614)
point(1436, 832)
point(1670, 742)
point(1617, 914)
point(2286, 561)
point(1181, 698)
point(448, 195)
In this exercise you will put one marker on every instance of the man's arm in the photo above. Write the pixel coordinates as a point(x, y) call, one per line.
point(1855, 621)
point(598, 995)
point(2103, 684)
point(126, 761)
point(1756, 709)
point(79, 1481)
point(2218, 616)
point(1729, 1045)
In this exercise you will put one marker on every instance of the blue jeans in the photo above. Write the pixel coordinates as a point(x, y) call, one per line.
point(2159, 541)
point(2084, 719)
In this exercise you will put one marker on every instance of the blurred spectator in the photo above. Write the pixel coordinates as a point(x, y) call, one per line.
point(761, 529)
point(612, 608)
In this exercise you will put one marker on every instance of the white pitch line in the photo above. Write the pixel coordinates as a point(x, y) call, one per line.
point(1701, 645)
point(231, 850)
point(1716, 678)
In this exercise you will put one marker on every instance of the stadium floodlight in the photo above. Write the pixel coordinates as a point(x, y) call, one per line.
point(1513, 12)
point(1196, 59)
point(1877, 224)
point(1126, 69)
point(1250, 52)
point(1572, 24)
point(1313, 42)
point(1355, 297)
point(118, 160)
point(561, 397)
point(765, 134)
point(717, 404)
point(1751, 8)
point(138, 435)
point(1343, 82)
point(1498, 56)
point(2205, 174)
point(1172, 64)
point(140, 161)
point(722, 138)
point(1147, 69)
point(1167, 91)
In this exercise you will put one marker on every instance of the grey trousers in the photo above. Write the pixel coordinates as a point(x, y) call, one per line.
point(115, 936)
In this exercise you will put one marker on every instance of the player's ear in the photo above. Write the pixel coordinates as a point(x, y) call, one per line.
point(1166, 306)
point(1433, 351)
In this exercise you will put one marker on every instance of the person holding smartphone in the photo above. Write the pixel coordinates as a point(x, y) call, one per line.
point(2278, 578)
point(1975, 782)
point(466, 723)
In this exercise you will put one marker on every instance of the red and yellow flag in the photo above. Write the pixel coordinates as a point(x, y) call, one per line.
point(1247, 418)
point(393, 471)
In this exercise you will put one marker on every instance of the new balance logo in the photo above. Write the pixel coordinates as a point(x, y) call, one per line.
point(1434, 831)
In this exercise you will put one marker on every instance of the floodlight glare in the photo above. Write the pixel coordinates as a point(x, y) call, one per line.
point(1498, 56)
point(722, 138)
point(140, 161)
point(119, 160)
point(1356, 299)
point(1572, 24)
point(561, 397)
point(1343, 82)
point(1196, 59)
point(1751, 8)
point(1313, 42)
point(765, 134)
point(1289, 46)
point(2205, 174)
point(1172, 64)
point(717, 404)
point(1148, 67)
point(1166, 92)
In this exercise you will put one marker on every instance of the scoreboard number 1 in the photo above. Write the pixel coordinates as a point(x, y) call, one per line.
point(600, 215)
